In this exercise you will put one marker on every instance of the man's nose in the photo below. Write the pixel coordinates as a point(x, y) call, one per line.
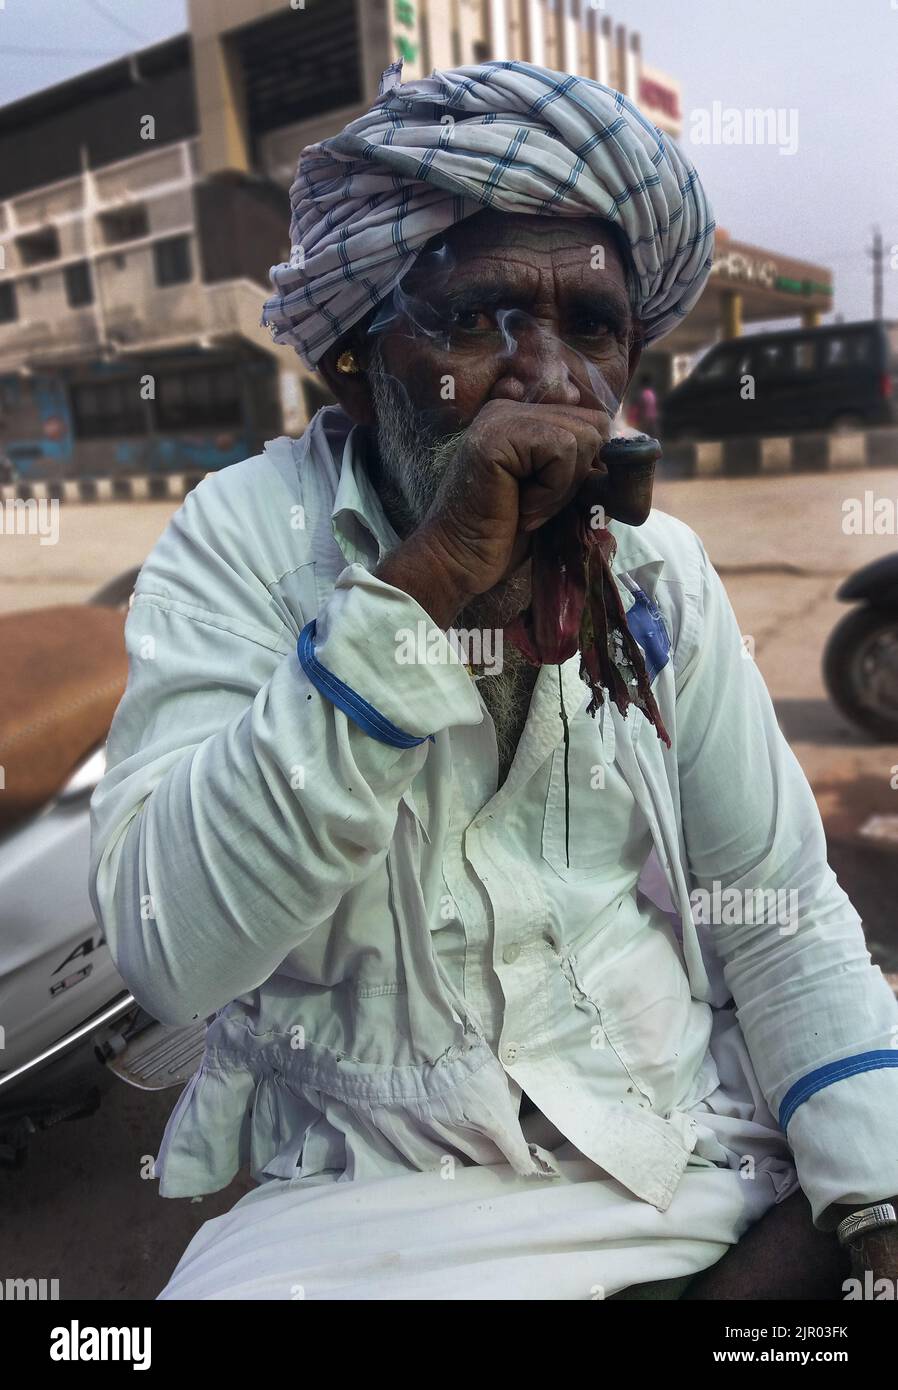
point(536, 366)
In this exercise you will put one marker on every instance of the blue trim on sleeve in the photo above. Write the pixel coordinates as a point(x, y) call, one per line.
point(368, 718)
point(815, 1081)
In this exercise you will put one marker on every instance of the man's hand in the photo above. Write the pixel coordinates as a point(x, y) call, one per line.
point(518, 465)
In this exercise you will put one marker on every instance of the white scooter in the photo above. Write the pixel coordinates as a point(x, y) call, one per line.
point(68, 1024)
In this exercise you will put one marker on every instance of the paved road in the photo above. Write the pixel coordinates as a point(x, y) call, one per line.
point(780, 546)
point(80, 1210)
point(95, 543)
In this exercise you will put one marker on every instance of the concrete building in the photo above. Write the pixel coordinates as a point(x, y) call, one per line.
point(130, 283)
point(142, 203)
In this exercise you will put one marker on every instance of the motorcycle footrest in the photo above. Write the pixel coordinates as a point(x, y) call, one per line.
point(161, 1056)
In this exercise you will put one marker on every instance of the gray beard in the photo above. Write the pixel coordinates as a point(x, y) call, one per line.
point(410, 465)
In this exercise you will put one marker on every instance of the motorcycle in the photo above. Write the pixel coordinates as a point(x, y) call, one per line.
point(860, 661)
point(69, 1027)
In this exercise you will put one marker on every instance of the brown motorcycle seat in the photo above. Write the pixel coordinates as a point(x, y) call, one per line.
point(63, 670)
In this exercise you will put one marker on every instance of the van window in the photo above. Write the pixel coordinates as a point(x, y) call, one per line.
point(772, 359)
point(716, 366)
point(802, 354)
point(847, 350)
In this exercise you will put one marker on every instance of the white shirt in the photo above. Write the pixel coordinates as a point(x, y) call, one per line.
point(389, 950)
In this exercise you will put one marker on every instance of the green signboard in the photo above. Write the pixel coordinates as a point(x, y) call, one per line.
point(782, 282)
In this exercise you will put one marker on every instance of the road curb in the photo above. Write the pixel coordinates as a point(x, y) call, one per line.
point(763, 456)
point(149, 487)
point(741, 457)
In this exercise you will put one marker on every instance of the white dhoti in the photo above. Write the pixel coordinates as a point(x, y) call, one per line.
point(486, 1232)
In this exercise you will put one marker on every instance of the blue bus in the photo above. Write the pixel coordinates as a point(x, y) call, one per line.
point(194, 411)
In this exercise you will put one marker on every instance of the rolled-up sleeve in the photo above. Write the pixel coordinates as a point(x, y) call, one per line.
point(819, 1019)
point(240, 803)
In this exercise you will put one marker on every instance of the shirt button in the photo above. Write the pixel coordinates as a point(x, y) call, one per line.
point(510, 1052)
point(511, 953)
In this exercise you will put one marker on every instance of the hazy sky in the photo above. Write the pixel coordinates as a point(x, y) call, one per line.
point(830, 67)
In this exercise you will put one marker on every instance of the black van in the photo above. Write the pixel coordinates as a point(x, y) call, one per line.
point(844, 376)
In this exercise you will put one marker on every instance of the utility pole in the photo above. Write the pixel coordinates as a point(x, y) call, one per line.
point(877, 255)
point(89, 205)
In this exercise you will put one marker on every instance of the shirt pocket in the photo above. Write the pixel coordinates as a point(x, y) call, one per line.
point(572, 839)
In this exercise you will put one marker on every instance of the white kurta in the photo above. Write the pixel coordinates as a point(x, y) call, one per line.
point(485, 1232)
point(389, 949)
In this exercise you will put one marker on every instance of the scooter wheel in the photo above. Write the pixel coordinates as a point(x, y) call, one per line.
point(860, 668)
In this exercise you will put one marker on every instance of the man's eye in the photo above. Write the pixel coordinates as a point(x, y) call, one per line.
point(473, 321)
point(589, 326)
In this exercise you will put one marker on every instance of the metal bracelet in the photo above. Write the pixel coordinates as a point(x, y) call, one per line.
point(867, 1219)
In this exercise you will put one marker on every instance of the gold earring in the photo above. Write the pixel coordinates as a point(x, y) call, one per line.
point(347, 364)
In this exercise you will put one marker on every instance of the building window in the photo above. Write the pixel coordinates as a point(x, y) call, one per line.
point(171, 260)
point(126, 224)
point(37, 247)
point(199, 397)
point(9, 311)
point(106, 408)
point(481, 51)
point(299, 64)
point(78, 286)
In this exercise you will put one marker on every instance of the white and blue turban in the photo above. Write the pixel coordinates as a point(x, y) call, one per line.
point(500, 135)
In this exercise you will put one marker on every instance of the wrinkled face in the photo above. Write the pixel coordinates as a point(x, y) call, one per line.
point(513, 307)
point(520, 308)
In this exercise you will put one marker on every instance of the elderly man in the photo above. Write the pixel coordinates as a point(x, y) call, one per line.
point(503, 997)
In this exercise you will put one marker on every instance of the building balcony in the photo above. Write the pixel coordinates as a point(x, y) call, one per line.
point(183, 315)
point(146, 255)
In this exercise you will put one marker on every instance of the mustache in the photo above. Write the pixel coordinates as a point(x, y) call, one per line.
point(440, 453)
